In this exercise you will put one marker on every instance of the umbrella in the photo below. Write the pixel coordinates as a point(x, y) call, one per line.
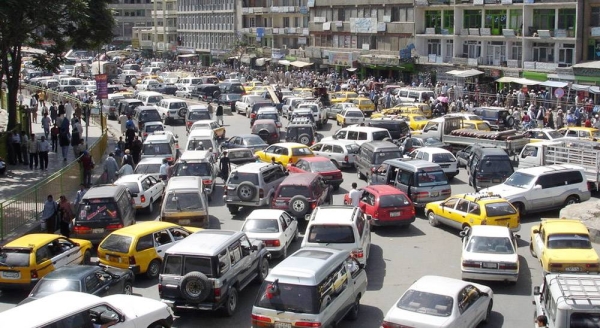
point(442, 99)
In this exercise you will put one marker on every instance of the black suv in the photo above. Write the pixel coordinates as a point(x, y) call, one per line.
point(206, 92)
point(303, 133)
point(497, 116)
point(207, 269)
point(398, 129)
point(145, 114)
point(232, 87)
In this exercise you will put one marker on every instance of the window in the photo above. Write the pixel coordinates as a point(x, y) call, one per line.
point(341, 13)
point(41, 255)
point(543, 19)
point(286, 22)
point(516, 19)
point(543, 52)
point(565, 54)
point(352, 135)
point(449, 50)
point(472, 49)
point(92, 282)
point(448, 21)
point(368, 198)
point(463, 205)
point(360, 225)
point(434, 47)
point(472, 19)
point(595, 17)
point(144, 243)
point(433, 18)
point(495, 20)
point(566, 18)
point(517, 51)
point(235, 253)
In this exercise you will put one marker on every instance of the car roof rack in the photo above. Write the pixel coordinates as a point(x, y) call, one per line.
point(578, 288)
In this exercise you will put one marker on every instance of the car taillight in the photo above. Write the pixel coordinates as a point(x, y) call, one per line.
point(592, 265)
point(313, 205)
point(33, 273)
point(421, 194)
point(274, 134)
point(471, 264)
point(307, 324)
point(145, 134)
point(345, 158)
point(446, 191)
point(82, 230)
point(508, 266)
point(358, 253)
point(114, 226)
point(143, 199)
point(261, 321)
point(207, 182)
point(272, 243)
point(217, 293)
point(131, 260)
point(387, 324)
point(159, 288)
point(261, 193)
point(252, 116)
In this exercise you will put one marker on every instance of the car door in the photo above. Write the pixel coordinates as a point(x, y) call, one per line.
point(292, 226)
point(459, 216)
point(367, 203)
point(299, 167)
point(316, 149)
point(471, 304)
point(157, 187)
point(543, 198)
point(364, 231)
point(67, 253)
point(94, 285)
point(446, 211)
point(162, 241)
point(241, 260)
point(285, 234)
point(539, 241)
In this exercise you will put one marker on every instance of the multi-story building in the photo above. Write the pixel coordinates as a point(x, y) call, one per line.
point(129, 14)
point(208, 26)
point(367, 35)
point(514, 38)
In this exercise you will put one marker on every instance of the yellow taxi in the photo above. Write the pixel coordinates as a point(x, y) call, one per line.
point(403, 109)
point(249, 86)
point(476, 125)
point(563, 245)
point(140, 247)
point(415, 121)
point(284, 153)
point(467, 210)
point(26, 260)
point(425, 108)
point(545, 134)
point(126, 94)
point(342, 96)
point(580, 132)
point(351, 115)
point(153, 77)
point(364, 104)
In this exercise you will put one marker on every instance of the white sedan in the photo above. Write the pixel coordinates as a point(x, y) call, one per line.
point(275, 228)
point(489, 253)
point(145, 189)
point(434, 301)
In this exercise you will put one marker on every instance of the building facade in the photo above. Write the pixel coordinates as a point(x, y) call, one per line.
point(128, 15)
point(514, 38)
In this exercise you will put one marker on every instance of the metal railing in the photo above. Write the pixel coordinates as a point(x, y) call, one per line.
point(26, 207)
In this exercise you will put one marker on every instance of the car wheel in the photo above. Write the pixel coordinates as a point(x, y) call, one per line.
point(153, 269)
point(128, 288)
point(299, 206)
point(432, 220)
point(231, 303)
point(263, 270)
point(233, 209)
point(571, 200)
point(510, 121)
point(151, 206)
point(304, 139)
point(489, 311)
point(531, 249)
point(355, 311)
point(246, 191)
point(195, 286)
point(87, 257)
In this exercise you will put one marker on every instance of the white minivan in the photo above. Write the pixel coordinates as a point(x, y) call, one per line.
point(360, 134)
point(150, 98)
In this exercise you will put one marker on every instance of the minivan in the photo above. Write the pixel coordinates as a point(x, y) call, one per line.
point(372, 154)
point(172, 109)
point(360, 134)
point(202, 139)
point(185, 203)
point(150, 98)
point(488, 167)
point(420, 180)
point(397, 128)
point(415, 95)
point(101, 211)
point(127, 106)
point(199, 163)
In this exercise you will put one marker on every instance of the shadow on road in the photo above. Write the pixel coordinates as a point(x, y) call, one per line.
point(368, 317)
point(410, 231)
point(496, 320)
point(376, 268)
point(13, 296)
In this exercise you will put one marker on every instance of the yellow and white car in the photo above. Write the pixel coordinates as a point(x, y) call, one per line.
point(343, 96)
point(351, 115)
point(364, 104)
point(284, 153)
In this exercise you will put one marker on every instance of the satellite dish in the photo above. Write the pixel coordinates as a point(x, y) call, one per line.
point(133, 82)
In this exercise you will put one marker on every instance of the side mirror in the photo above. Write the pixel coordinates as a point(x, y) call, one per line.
point(517, 236)
point(537, 187)
point(463, 233)
point(87, 208)
point(536, 290)
point(334, 137)
point(254, 247)
point(535, 231)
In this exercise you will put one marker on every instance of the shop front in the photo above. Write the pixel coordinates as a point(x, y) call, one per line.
point(386, 66)
point(536, 76)
point(339, 60)
point(587, 73)
point(216, 55)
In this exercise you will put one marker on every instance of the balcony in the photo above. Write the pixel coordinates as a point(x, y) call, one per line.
point(427, 3)
point(434, 59)
point(546, 34)
point(436, 31)
point(464, 61)
point(285, 10)
point(399, 28)
point(335, 3)
point(315, 27)
point(540, 66)
point(255, 10)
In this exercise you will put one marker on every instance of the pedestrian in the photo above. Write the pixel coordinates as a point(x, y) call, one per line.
point(25, 147)
point(355, 195)
point(123, 121)
point(87, 164)
point(33, 105)
point(66, 216)
point(48, 216)
point(136, 150)
point(80, 193)
point(162, 170)
point(32, 149)
point(127, 158)
point(541, 321)
point(46, 125)
point(68, 110)
point(61, 109)
point(110, 168)
point(130, 132)
point(53, 112)
point(42, 98)
point(121, 144)
point(54, 132)
point(64, 140)
point(16, 146)
point(20, 98)
point(43, 149)
point(219, 115)
point(225, 166)
point(75, 141)
point(126, 169)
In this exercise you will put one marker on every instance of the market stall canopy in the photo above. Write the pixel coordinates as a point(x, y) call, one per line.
point(284, 62)
point(594, 64)
point(517, 80)
point(187, 55)
point(262, 61)
point(467, 73)
point(554, 84)
point(298, 63)
point(351, 69)
point(580, 87)
point(595, 90)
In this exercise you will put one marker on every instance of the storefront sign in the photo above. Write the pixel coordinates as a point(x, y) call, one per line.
point(102, 86)
point(581, 71)
point(218, 52)
point(379, 60)
point(340, 58)
point(277, 53)
point(363, 25)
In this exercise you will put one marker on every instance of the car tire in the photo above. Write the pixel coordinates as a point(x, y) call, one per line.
point(355, 311)
point(298, 206)
point(264, 134)
point(509, 122)
point(182, 112)
point(432, 220)
point(571, 200)
point(153, 269)
point(150, 207)
point(87, 257)
point(488, 312)
point(304, 139)
point(195, 286)
point(233, 209)
point(231, 303)
point(128, 288)
point(531, 249)
point(246, 191)
point(263, 270)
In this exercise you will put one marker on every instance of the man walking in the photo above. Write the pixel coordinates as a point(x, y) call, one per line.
point(355, 195)
point(46, 125)
point(219, 115)
point(43, 149)
point(110, 168)
point(54, 132)
point(225, 166)
point(87, 163)
point(49, 215)
point(32, 147)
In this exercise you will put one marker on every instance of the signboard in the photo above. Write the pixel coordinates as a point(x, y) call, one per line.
point(559, 92)
point(101, 86)
point(260, 32)
point(340, 58)
point(363, 25)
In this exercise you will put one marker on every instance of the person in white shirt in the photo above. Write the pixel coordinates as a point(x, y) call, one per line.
point(355, 195)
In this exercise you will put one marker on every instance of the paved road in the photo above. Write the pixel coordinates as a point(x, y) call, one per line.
point(398, 257)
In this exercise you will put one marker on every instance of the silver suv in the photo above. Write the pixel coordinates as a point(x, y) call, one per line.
point(207, 269)
point(252, 184)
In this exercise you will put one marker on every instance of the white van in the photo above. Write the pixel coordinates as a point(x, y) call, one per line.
point(415, 95)
point(150, 98)
point(172, 109)
point(202, 139)
point(158, 64)
point(188, 81)
point(50, 84)
point(74, 81)
point(360, 134)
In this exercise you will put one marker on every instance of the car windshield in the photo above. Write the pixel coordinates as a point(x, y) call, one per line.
point(354, 113)
point(193, 169)
point(174, 266)
point(199, 144)
point(273, 117)
point(182, 201)
point(239, 177)
point(50, 286)
point(519, 180)
point(98, 209)
point(301, 151)
point(499, 209)
point(198, 115)
point(147, 168)
point(442, 158)
point(337, 234)
point(323, 166)
point(483, 244)
point(584, 320)
point(352, 148)
point(253, 140)
point(154, 99)
point(116, 243)
point(291, 191)
point(380, 135)
point(496, 166)
point(426, 303)
point(288, 297)
point(269, 127)
point(15, 257)
point(150, 116)
point(382, 156)
point(398, 200)
point(569, 240)
point(431, 177)
point(133, 187)
point(153, 128)
point(261, 226)
point(156, 149)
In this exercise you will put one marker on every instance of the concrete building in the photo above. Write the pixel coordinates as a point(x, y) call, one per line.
point(129, 14)
point(367, 35)
point(534, 39)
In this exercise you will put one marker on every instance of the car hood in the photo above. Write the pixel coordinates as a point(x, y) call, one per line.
point(135, 306)
point(505, 191)
point(490, 257)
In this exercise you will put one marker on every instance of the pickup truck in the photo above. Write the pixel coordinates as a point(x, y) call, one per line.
point(565, 151)
point(317, 112)
point(563, 245)
point(244, 105)
point(449, 130)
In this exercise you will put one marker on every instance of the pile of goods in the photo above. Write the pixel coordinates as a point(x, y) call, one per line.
point(488, 135)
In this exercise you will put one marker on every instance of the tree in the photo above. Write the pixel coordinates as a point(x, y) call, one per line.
point(62, 24)
point(240, 47)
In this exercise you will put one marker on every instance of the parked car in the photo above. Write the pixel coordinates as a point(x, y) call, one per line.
point(332, 111)
point(444, 158)
point(320, 165)
point(496, 116)
point(303, 133)
point(250, 141)
point(229, 99)
point(275, 228)
point(385, 206)
point(144, 189)
point(284, 153)
point(172, 110)
point(300, 193)
point(411, 143)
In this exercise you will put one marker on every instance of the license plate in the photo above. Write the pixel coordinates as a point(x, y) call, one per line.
point(496, 180)
point(490, 265)
point(283, 325)
point(572, 269)
point(11, 274)
point(434, 194)
point(394, 214)
point(98, 230)
point(353, 120)
point(113, 258)
point(184, 221)
point(328, 177)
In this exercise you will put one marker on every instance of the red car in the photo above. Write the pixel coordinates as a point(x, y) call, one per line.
point(320, 165)
point(385, 205)
point(300, 194)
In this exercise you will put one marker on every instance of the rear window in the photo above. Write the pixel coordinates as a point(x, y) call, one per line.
point(566, 240)
point(354, 114)
point(352, 149)
point(157, 149)
point(380, 135)
point(393, 201)
point(289, 298)
point(337, 234)
point(301, 151)
point(14, 257)
point(147, 168)
point(442, 158)
point(299, 130)
point(291, 191)
point(153, 128)
point(261, 226)
point(239, 177)
point(273, 117)
point(385, 155)
point(198, 115)
point(116, 243)
point(173, 265)
point(98, 210)
point(177, 105)
point(496, 166)
point(193, 169)
point(428, 178)
point(584, 320)
point(427, 303)
point(499, 209)
point(150, 116)
point(154, 99)
point(133, 187)
point(199, 144)
point(182, 201)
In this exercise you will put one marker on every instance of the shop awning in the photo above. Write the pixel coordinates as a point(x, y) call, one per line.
point(517, 80)
point(300, 64)
point(561, 77)
point(351, 69)
point(580, 87)
point(554, 84)
point(467, 73)
point(506, 79)
point(284, 62)
point(594, 64)
point(261, 61)
point(187, 55)
point(595, 90)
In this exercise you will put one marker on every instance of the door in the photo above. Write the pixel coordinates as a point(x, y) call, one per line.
point(94, 285)
point(367, 203)
point(240, 255)
point(446, 212)
point(380, 175)
point(544, 197)
point(498, 54)
point(156, 187)
point(65, 253)
point(459, 216)
point(285, 229)
point(538, 242)
point(162, 242)
point(44, 262)
point(469, 304)
point(292, 226)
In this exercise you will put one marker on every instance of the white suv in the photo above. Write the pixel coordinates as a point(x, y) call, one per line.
point(442, 157)
point(318, 113)
point(340, 227)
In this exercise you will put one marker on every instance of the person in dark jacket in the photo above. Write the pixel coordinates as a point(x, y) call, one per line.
point(219, 114)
